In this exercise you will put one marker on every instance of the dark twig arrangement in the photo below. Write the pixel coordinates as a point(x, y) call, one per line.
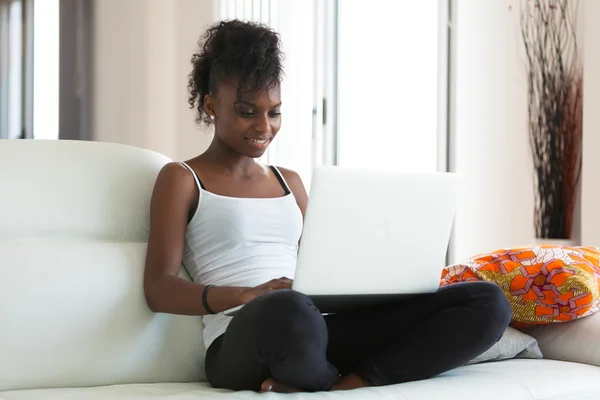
point(548, 29)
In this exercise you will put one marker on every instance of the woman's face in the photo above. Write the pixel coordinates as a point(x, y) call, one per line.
point(249, 124)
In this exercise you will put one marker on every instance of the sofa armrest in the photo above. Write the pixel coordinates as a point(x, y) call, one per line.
point(576, 341)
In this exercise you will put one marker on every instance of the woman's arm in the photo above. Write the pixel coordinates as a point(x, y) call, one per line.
point(175, 194)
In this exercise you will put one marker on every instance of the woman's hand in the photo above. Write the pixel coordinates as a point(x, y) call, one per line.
point(275, 284)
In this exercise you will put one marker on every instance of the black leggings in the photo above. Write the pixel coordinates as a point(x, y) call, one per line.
point(282, 335)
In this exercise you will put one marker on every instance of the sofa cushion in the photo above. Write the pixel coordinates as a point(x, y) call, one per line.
point(513, 379)
point(576, 341)
point(83, 189)
point(73, 313)
point(74, 221)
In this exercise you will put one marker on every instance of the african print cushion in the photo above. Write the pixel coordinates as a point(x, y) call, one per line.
point(544, 283)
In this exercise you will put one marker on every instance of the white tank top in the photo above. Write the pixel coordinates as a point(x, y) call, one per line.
point(232, 241)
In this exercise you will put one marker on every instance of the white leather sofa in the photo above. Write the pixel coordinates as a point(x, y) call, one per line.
point(74, 323)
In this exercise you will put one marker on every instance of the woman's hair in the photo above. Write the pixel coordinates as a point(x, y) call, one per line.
point(246, 51)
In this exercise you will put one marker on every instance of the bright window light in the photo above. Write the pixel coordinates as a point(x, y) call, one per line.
point(45, 69)
point(388, 93)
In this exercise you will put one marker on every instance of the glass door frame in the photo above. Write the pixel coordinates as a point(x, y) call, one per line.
point(25, 83)
point(4, 29)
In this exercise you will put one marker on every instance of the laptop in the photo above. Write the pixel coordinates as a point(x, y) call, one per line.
point(373, 236)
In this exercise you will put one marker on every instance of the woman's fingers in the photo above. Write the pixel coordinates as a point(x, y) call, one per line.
point(280, 284)
point(275, 284)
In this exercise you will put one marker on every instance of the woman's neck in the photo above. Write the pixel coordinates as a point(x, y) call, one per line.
point(221, 155)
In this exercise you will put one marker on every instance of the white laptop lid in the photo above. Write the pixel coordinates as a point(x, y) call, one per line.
point(375, 232)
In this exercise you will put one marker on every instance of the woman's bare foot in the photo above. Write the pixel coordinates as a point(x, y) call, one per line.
point(350, 382)
point(271, 385)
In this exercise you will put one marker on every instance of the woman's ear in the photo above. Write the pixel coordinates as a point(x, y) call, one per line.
point(209, 105)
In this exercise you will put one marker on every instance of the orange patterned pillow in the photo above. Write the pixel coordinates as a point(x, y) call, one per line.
point(544, 283)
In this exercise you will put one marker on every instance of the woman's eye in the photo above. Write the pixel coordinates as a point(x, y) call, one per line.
point(245, 113)
point(274, 114)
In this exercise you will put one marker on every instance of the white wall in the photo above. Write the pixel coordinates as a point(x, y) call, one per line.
point(491, 148)
point(142, 51)
point(590, 206)
point(192, 19)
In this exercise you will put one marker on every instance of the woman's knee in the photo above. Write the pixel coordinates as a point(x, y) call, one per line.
point(495, 301)
point(290, 315)
point(493, 306)
point(279, 301)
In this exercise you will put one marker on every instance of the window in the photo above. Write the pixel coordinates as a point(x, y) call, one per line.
point(45, 69)
point(389, 60)
point(264, 11)
point(3, 70)
point(11, 69)
point(28, 110)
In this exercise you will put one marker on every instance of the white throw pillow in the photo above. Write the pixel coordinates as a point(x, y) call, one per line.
point(513, 344)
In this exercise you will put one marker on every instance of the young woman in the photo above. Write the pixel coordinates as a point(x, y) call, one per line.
point(235, 224)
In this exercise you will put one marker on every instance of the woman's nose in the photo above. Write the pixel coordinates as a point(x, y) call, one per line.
point(262, 123)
